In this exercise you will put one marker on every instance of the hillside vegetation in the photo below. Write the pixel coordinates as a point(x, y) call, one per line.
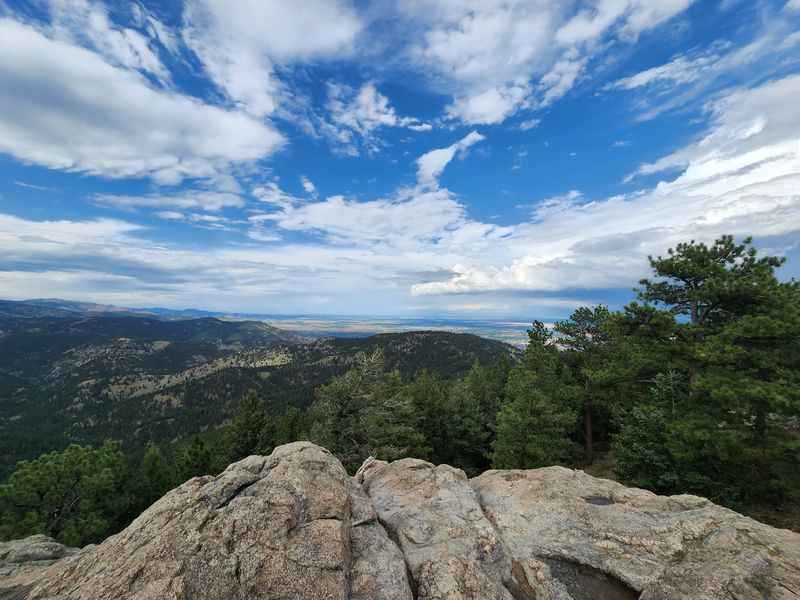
point(694, 388)
point(85, 378)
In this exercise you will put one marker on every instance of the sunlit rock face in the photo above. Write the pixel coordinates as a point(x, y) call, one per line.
point(294, 525)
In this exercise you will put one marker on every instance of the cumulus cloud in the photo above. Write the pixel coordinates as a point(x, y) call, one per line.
point(431, 164)
point(741, 177)
point(241, 43)
point(632, 16)
point(99, 101)
point(83, 114)
point(400, 222)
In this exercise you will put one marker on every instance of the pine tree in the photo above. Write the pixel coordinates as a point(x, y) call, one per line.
point(540, 409)
point(76, 496)
point(155, 477)
point(729, 325)
point(194, 458)
point(250, 431)
point(586, 342)
point(364, 412)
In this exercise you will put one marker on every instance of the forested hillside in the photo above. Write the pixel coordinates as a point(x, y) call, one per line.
point(692, 388)
point(87, 378)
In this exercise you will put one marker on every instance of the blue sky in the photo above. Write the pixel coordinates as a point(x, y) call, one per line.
point(406, 158)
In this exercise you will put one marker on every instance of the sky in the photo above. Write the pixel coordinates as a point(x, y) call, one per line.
point(407, 158)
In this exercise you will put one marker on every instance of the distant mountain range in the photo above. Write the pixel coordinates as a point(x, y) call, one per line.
point(306, 325)
point(56, 307)
point(84, 372)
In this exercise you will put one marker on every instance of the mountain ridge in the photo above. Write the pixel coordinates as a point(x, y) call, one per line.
point(139, 379)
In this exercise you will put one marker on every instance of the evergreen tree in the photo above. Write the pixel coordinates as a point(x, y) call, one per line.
point(468, 427)
point(250, 431)
point(750, 391)
point(428, 394)
point(290, 426)
point(155, 477)
point(540, 409)
point(194, 458)
point(642, 446)
point(585, 340)
point(76, 496)
point(364, 412)
point(731, 327)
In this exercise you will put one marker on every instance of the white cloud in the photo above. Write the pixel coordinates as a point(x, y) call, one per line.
point(241, 43)
point(170, 215)
point(400, 222)
point(82, 114)
point(742, 178)
point(431, 164)
point(87, 23)
point(793, 5)
point(631, 16)
point(561, 77)
point(308, 185)
point(769, 53)
point(155, 29)
point(490, 106)
point(203, 200)
point(360, 113)
point(501, 56)
point(529, 124)
point(33, 186)
point(271, 193)
point(680, 70)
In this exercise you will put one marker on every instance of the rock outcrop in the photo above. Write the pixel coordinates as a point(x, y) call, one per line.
point(22, 561)
point(294, 525)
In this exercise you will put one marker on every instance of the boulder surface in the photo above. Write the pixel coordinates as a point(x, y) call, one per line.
point(294, 525)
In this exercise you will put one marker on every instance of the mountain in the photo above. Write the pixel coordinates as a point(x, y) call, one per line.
point(69, 376)
point(295, 525)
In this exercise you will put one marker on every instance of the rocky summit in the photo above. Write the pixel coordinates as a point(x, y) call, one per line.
point(294, 525)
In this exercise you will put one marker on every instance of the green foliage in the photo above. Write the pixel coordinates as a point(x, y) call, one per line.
point(364, 413)
point(251, 431)
point(696, 386)
point(586, 342)
point(711, 284)
point(290, 426)
point(540, 409)
point(721, 318)
point(76, 496)
point(86, 379)
point(641, 447)
point(428, 396)
point(195, 458)
point(155, 477)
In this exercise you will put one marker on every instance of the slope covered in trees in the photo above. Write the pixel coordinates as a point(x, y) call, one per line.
point(693, 388)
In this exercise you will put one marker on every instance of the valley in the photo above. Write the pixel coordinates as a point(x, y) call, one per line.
point(82, 375)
